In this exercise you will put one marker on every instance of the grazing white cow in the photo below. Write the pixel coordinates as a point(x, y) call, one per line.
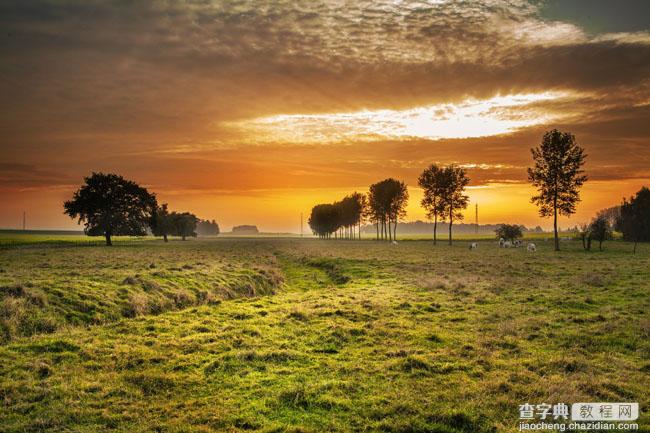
point(531, 247)
point(501, 242)
point(473, 246)
point(507, 244)
point(394, 242)
point(518, 243)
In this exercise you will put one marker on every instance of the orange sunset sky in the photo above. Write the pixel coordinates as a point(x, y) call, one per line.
point(251, 112)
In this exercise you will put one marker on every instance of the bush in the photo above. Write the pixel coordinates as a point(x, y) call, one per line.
point(509, 232)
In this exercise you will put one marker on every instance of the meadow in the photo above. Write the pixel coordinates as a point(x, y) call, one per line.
point(305, 335)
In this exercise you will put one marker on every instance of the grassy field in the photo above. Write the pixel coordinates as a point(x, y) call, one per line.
point(303, 335)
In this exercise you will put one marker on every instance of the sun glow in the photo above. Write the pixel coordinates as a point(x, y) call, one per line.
point(471, 118)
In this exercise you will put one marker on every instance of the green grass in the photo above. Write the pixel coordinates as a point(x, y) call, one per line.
point(305, 335)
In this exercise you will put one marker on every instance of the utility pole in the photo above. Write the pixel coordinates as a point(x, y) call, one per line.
point(476, 218)
point(300, 224)
point(24, 219)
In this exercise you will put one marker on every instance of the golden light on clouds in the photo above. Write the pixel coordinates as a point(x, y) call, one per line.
point(255, 110)
point(470, 118)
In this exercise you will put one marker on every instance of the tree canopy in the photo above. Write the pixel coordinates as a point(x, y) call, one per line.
point(634, 219)
point(184, 224)
point(110, 205)
point(557, 175)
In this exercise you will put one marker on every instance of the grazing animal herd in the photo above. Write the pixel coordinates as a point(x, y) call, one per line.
point(531, 247)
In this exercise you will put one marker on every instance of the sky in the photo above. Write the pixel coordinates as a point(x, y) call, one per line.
point(253, 111)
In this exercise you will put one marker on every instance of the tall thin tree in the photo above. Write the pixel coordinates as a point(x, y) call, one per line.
point(454, 200)
point(558, 176)
point(431, 181)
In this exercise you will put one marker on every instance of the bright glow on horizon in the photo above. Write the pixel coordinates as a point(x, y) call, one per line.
point(471, 118)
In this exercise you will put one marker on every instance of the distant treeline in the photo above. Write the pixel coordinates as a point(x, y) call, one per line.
point(423, 227)
point(245, 229)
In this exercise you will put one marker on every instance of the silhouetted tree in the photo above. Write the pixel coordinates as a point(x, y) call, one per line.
point(375, 210)
point(350, 212)
point(600, 230)
point(162, 223)
point(634, 221)
point(558, 176)
point(184, 224)
point(110, 205)
point(432, 182)
point(323, 220)
point(509, 232)
point(453, 198)
point(362, 201)
point(388, 200)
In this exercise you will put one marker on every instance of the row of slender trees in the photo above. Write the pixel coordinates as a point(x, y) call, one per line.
point(109, 205)
point(339, 219)
point(385, 204)
point(557, 174)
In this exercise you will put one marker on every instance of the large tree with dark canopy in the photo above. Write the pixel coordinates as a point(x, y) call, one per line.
point(634, 220)
point(557, 175)
point(184, 224)
point(110, 205)
point(324, 220)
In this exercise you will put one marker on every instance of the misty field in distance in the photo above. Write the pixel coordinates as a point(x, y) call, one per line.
point(315, 335)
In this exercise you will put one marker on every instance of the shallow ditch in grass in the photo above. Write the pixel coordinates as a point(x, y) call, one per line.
point(28, 309)
point(309, 273)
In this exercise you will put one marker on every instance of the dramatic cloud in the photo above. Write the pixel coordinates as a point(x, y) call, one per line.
point(239, 95)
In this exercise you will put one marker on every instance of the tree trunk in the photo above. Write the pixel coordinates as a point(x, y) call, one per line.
point(435, 228)
point(183, 237)
point(557, 239)
point(635, 246)
point(377, 225)
point(395, 231)
point(600, 245)
point(108, 239)
point(165, 237)
point(451, 222)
